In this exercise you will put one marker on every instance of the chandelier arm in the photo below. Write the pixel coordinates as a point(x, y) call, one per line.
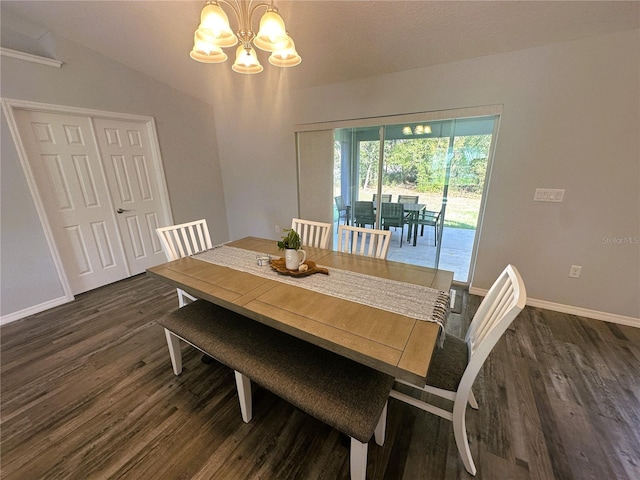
point(233, 7)
point(244, 13)
point(252, 9)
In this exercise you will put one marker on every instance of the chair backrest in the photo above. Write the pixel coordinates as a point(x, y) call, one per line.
point(364, 241)
point(392, 214)
point(364, 213)
point(185, 239)
point(407, 198)
point(340, 203)
point(312, 234)
point(384, 197)
point(504, 301)
point(429, 217)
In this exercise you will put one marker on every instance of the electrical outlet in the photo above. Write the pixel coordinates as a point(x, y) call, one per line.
point(277, 227)
point(574, 271)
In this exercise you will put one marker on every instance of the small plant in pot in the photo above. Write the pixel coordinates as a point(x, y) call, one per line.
point(291, 245)
point(290, 241)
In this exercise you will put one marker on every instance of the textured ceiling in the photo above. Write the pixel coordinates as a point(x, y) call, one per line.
point(338, 40)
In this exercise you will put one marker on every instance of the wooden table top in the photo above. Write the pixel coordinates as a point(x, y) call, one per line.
point(395, 344)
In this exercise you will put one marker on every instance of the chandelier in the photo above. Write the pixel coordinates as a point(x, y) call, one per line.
point(214, 34)
point(418, 130)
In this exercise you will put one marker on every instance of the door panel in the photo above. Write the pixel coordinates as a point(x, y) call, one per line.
point(127, 159)
point(64, 160)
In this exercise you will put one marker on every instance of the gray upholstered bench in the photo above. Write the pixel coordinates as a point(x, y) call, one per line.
point(344, 394)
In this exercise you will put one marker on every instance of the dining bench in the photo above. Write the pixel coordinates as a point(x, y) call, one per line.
point(346, 395)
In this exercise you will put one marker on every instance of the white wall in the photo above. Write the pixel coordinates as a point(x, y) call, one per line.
point(257, 152)
point(187, 136)
point(570, 120)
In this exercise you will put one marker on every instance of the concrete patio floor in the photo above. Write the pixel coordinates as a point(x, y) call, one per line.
point(455, 253)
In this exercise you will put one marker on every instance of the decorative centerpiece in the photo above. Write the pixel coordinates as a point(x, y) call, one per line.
point(292, 264)
point(291, 244)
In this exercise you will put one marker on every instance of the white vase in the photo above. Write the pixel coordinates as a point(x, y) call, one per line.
point(294, 258)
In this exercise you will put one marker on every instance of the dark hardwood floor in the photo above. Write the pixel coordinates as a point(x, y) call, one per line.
point(88, 392)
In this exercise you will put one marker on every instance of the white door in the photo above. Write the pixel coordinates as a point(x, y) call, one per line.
point(66, 167)
point(100, 192)
point(132, 180)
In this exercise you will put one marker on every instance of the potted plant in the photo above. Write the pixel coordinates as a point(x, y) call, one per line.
point(291, 244)
point(290, 241)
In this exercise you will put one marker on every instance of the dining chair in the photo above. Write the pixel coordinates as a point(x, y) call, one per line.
point(364, 214)
point(455, 366)
point(312, 234)
point(183, 240)
point(392, 215)
point(364, 241)
point(343, 210)
point(429, 218)
point(408, 198)
point(384, 197)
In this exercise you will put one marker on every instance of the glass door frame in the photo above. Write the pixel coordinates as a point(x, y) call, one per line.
point(453, 114)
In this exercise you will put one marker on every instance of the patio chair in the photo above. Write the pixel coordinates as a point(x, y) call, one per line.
point(343, 210)
point(392, 215)
point(408, 198)
point(312, 234)
point(384, 197)
point(364, 214)
point(454, 367)
point(181, 241)
point(364, 241)
point(429, 218)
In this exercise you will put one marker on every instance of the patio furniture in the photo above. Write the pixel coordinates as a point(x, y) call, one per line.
point(392, 215)
point(364, 214)
point(408, 198)
point(344, 210)
point(429, 218)
point(385, 197)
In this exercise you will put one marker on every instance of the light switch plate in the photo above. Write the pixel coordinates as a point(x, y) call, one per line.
point(549, 195)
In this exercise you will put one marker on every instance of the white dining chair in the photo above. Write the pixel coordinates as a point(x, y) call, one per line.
point(183, 240)
point(312, 234)
point(364, 241)
point(454, 367)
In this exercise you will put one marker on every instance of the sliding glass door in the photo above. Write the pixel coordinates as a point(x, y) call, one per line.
point(438, 169)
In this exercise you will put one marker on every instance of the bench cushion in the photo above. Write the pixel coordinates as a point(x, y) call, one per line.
point(342, 393)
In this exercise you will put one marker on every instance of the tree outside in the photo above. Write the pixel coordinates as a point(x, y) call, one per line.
point(419, 166)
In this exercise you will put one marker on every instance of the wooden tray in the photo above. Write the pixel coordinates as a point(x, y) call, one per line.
point(278, 265)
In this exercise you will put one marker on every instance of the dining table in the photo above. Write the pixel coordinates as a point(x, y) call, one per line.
point(384, 314)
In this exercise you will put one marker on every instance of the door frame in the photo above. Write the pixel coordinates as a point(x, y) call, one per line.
point(9, 106)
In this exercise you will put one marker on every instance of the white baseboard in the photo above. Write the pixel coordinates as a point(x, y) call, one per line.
point(570, 309)
point(12, 317)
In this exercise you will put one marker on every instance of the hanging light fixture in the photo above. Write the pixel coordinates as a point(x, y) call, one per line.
point(417, 130)
point(214, 33)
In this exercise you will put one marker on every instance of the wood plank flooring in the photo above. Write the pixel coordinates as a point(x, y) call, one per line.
point(87, 392)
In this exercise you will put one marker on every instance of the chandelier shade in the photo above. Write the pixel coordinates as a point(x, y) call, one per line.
point(215, 33)
point(246, 61)
point(286, 57)
point(206, 52)
point(272, 35)
point(214, 26)
point(417, 130)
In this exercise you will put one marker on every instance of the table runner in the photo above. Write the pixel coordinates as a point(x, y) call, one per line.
point(415, 301)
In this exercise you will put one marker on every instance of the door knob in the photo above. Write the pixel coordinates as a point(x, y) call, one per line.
point(120, 210)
